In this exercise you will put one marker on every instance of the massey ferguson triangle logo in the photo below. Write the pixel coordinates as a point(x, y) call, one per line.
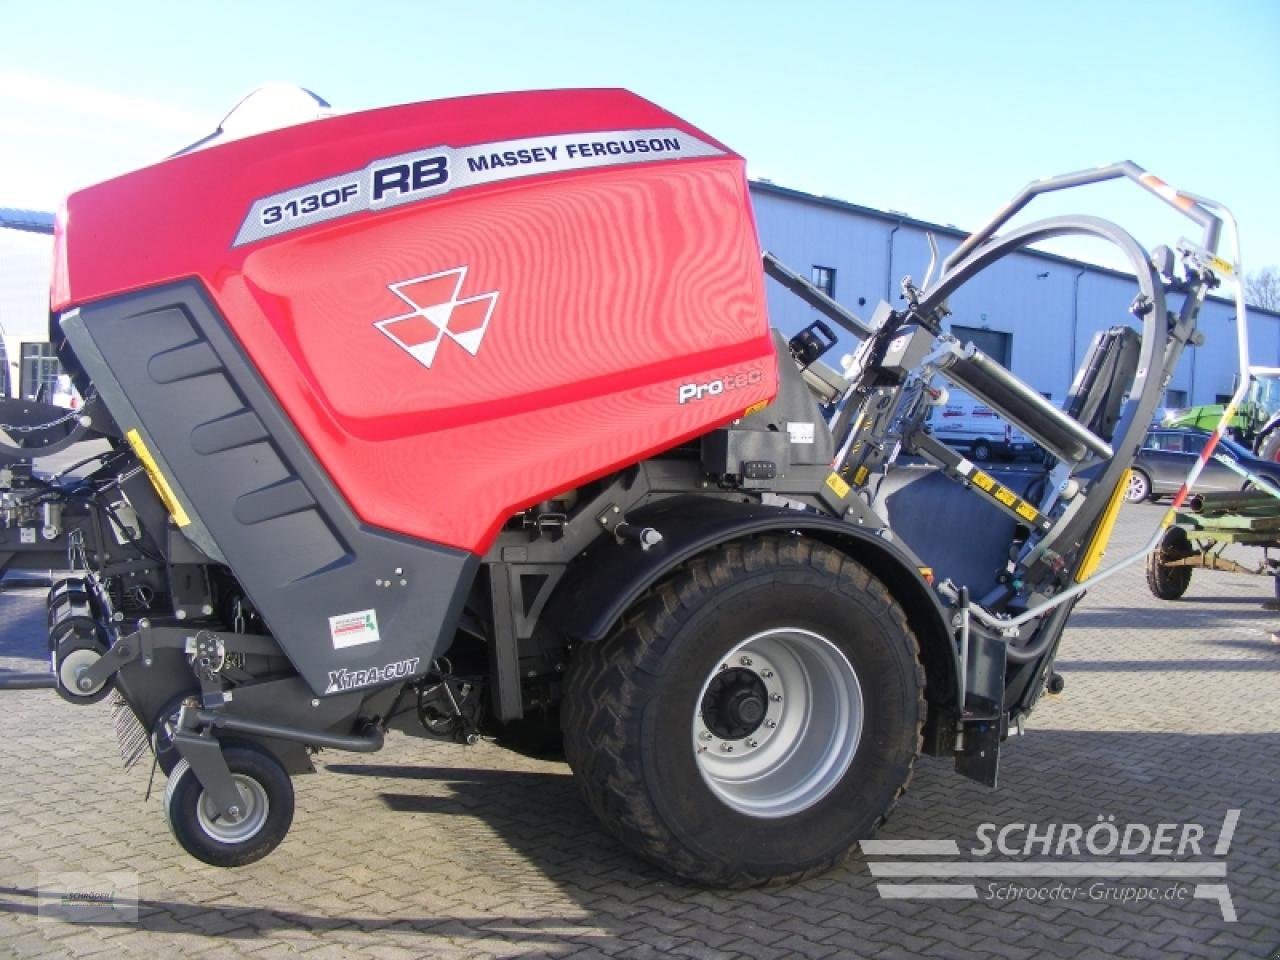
point(437, 313)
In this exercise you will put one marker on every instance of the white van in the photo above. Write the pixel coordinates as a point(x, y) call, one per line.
point(971, 426)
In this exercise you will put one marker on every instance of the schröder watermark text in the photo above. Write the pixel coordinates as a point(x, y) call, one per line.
point(80, 897)
point(1111, 862)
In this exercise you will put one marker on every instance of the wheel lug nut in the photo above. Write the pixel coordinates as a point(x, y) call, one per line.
point(727, 747)
point(771, 724)
point(767, 674)
point(705, 735)
point(775, 697)
point(753, 743)
point(746, 661)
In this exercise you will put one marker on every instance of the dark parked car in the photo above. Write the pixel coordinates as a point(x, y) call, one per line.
point(1168, 453)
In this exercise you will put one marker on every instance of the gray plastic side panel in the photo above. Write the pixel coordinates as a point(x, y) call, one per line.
point(255, 489)
point(113, 396)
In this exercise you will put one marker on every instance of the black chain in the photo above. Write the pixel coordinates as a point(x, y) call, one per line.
point(35, 428)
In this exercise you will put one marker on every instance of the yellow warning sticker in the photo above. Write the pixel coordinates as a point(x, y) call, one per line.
point(860, 477)
point(837, 485)
point(755, 408)
point(1026, 511)
point(1005, 496)
point(167, 496)
point(1222, 266)
point(984, 481)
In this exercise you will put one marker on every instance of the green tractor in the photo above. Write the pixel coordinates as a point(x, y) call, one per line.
point(1254, 424)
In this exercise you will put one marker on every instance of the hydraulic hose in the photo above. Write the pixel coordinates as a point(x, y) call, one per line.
point(1049, 632)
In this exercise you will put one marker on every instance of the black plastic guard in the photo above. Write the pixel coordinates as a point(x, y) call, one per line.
point(980, 758)
point(167, 366)
point(598, 591)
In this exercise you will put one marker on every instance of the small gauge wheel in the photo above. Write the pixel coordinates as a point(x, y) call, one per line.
point(73, 656)
point(255, 829)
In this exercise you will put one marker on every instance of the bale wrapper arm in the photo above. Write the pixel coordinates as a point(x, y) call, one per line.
point(1007, 634)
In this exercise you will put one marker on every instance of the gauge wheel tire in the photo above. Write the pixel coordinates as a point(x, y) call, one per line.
point(1169, 583)
point(267, 794)
point(1269, 448)
point(778, 642)
point(981, 451)
point(1138, 488)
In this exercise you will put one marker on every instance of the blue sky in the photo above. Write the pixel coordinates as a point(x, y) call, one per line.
point(941, 110)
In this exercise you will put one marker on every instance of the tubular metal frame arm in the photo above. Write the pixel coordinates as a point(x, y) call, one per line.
point(980, 250)
point(1184, 203)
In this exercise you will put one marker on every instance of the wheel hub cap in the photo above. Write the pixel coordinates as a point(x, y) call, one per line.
point(734, 704)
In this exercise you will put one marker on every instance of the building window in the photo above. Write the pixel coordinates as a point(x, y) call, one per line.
point(996, 344)
point(39, 371)
point(824, 278)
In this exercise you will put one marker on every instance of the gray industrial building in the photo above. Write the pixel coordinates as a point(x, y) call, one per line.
point(27, 364)
point(1036, 312)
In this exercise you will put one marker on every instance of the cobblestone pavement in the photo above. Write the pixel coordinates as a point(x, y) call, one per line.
point(1171, 713)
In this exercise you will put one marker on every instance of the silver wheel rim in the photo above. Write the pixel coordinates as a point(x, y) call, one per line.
point(1137, 487)
point(75, 663)
point(254, 810)
point(807, 737)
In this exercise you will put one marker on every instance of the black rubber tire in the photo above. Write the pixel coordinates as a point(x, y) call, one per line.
point(182, 795)
point(631, 697)
point(981, 451)
point(1165, 582)
point(1269, 448)
point(1139, 487)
